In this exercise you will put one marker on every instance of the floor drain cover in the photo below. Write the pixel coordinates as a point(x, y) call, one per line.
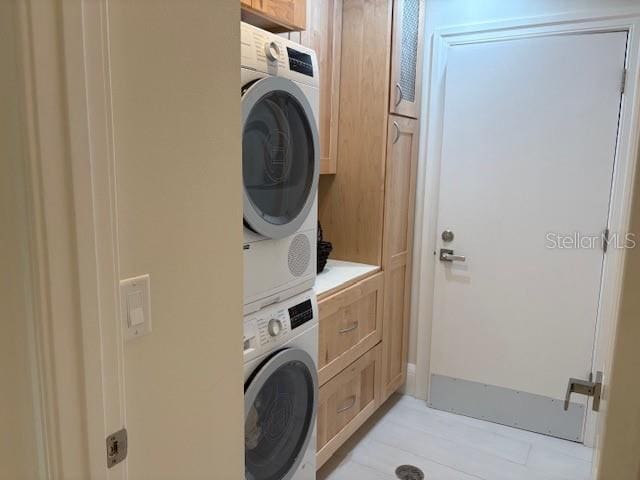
point(409, 472)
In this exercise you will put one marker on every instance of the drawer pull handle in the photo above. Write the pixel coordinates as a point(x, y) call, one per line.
point(349, 405)
point(349, 329)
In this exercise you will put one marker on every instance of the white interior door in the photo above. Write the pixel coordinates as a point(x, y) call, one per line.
point(529, 138)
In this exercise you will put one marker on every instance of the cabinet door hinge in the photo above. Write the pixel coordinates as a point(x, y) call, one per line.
point(605, 240)
point(623, 82)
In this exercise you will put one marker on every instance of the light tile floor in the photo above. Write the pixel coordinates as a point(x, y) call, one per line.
point(452, 447)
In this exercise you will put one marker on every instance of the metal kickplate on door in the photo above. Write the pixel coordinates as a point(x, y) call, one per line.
point(505, 406)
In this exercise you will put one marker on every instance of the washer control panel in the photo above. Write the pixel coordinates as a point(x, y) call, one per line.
point(270, 327)
point(274, 325)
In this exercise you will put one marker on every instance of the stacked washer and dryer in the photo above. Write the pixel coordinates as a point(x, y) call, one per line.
point(280, 169)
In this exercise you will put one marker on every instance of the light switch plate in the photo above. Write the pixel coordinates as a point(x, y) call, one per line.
point(135, 306)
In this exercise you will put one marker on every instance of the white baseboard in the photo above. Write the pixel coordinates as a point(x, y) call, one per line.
point(409, 387)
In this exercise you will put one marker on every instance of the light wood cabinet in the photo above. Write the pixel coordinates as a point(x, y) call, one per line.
point(275, 15)
point(346, 402)
point(367, 208)
point(350, 324)
point(324, 34)
point(402, 155)
point(350, 203)
point(406, 62)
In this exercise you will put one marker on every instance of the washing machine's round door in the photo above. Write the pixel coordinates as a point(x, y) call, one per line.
point(280, 157)
point(280, 404)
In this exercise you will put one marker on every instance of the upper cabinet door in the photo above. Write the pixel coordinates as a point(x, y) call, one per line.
point(406, 62)
point(275, 15)
point(323, 34)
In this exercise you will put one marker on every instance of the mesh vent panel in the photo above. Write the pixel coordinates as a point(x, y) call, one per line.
point(409, 55)
point(299, 255)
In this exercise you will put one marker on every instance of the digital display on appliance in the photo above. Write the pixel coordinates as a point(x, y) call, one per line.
point(301, 314)
point(300, 62)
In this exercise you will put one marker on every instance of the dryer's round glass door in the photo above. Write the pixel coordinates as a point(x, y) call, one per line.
point(280, 403)
point(280, 158)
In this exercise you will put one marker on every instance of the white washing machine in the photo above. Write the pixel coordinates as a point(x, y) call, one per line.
point(280, 166)
point(281, 390)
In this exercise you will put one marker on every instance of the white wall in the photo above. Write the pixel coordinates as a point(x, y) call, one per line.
point(448, 13)
point(20, 450)
point(176, 105)
point(620, 455)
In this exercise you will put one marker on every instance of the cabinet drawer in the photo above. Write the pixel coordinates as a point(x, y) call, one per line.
point(346, 402)
point(350, 324)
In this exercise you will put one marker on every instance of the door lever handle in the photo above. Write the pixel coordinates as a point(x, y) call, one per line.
point(447, 255)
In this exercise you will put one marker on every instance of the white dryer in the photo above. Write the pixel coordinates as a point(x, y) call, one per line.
point(280, 166)
point(281, 390)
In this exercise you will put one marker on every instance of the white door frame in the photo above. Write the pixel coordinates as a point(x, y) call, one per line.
point(429, 174)
point(93, 171)
point(64, 60)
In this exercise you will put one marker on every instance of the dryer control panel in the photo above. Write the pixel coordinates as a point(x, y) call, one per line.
point(269, 53)
point(276, 324)
point(300, 62)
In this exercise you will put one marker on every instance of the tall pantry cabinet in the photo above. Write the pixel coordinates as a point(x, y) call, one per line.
point(400, 187)
point(399, 199)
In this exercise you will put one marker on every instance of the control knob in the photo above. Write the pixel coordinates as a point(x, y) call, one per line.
point(274, 327)
point(272, 51)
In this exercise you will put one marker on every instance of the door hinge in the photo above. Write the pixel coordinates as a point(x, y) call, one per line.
point(590, 388)
point(117, 446)
point(623, 82)
point(605, 240)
